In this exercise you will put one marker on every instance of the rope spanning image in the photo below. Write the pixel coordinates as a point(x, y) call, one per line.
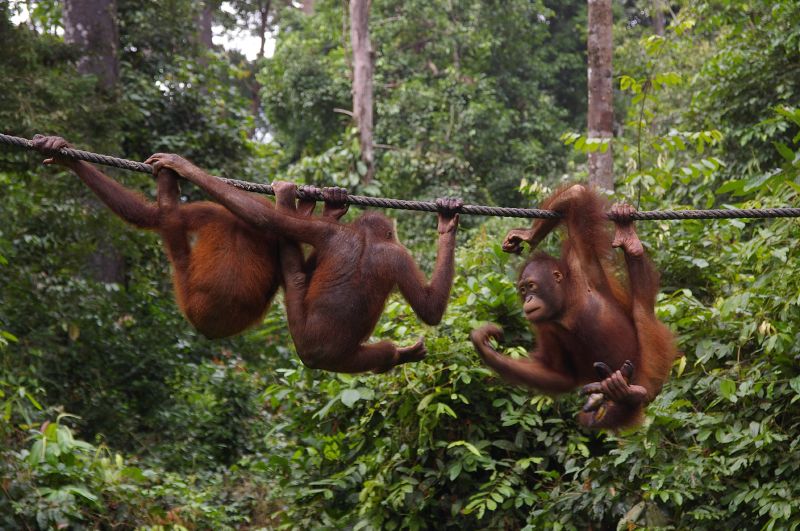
point(424, 206)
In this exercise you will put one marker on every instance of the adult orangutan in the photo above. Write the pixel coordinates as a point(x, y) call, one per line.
point(333, 308)
point(225, 271)
point(586, 321)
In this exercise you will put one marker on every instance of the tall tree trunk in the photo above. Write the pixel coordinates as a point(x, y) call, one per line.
point(263, 27)
point(362, 81)
point(308, 6)
point(91, 25)
point(205, 21)
point(204, 38)
point(263, 11)
point(601, 102)
point(658, 17)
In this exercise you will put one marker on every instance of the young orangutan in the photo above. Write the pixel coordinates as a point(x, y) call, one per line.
point(585, 320)
point(225, 271)
point(333, 309)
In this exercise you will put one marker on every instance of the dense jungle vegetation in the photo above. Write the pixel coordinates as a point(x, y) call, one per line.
point(115, 413)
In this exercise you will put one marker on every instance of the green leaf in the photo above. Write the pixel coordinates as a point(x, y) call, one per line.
point(466, 445)
point(728, 389)
point(33, 401)
point(350, 397)
point(322, 413)
point(133, 473)
point(625, 82)
point(794, 383)
point(426, 400)
point(455, 470)
point(784, 150)
point(81, 491)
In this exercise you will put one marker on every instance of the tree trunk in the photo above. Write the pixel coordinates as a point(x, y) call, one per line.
point(91, 25)
point(263, 11)
point(362, 81)
point(205, 35)
point(601, 101)
point(658, 17)
point(308, 7)
point(204, 38)
point(263, 28)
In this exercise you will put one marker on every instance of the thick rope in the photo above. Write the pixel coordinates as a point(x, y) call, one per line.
point(425, 206)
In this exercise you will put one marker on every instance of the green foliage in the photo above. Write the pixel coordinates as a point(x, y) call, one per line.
point(43, 91)
point(750, 71)
point(471, 98)
point(177, 97)
point(63, 482)
point(215, 415)
point(305, 82)
point(58, 481)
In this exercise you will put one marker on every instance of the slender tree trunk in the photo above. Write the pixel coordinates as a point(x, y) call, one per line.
point(601, 102)
point(263, 27)
point(362, 80)
point(263, 11)
point(658, 17)
point(91, 25)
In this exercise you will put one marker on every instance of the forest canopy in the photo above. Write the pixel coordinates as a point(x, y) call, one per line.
point(117, 413)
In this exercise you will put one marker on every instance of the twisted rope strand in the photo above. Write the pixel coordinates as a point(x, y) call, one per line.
point(425, 206)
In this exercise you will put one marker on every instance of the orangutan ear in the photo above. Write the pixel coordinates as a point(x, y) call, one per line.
point(558, 276)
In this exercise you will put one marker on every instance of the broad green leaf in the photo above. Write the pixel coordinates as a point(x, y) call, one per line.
point(728, 389)
point(350, 397)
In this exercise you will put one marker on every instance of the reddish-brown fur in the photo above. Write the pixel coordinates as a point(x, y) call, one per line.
point(583, 314)
point(333, 308)
point(225, 271)
point(231, 274)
